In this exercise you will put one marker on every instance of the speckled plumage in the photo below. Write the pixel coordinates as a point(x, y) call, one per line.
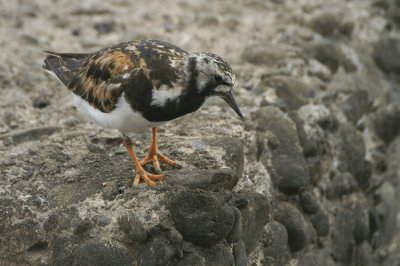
point(137, 85)
point(143, 71)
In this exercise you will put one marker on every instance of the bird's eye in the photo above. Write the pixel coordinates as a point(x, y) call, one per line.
point(217, 78)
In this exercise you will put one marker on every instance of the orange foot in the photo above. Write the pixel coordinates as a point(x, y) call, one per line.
point(154, 154)
point(140, 172)
point(147, 177)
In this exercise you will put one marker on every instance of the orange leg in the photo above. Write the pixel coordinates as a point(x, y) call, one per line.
point(140, 172)
point(154, 154)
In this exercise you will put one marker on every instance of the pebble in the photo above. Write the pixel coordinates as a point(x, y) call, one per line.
point(293, 92)
point(325, 23)
point(83, 226)
point(110, 190)
point(239, 253)
point(102, 252)
point(6, 162)
point(104, 27)
point(387, 122)
point(287, 169)
point(40, 103)
point(347, 28)
point(351, 150)
point(320, 221)
point(131, 226)
point(295, 225)
point(219, 255)
point(340, 185)
point(255, 210)
point(308, 203)
point(157, 251)
point(355, 105)
point(275, 240)
point(236, 233)
point(30, 134)
point(264, 54)
point(101, 220)
point(386, 54)
point(327, 53)
point(343, 242)
point(201, 217)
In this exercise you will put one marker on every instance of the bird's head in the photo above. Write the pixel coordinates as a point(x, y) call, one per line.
point(214, 77)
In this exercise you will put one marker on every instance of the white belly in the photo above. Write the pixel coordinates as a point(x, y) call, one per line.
point(122, 117)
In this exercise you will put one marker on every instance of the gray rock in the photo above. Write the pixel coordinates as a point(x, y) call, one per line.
point(40, 103)
point(66, 194)
point(320, 221)
point(104, 27)
point(110, 190)
point(275, 240)
point(204, 158)
point(342, 236)
point(287, 169)
point(239, 253)
point(101, 220)
point(387, 122)
point(21, 236)
point(6, 162)
point(83, 226)
point(325, 23)
point(202, 218)
point(30, 134)
point(295, 225)
point(131, 226)
point(347, 28)
point(192, 259)
point(102, 252)
point(157, 251)
point(361, 226)
point(355, 105)
point(204, 179)
point(383, 214)
point(314, 168)
point(316, 258)
point(294, 177)
point(340, 185)
point(310, 144)
point(60, 247)
point(365, 255)
point(394, 12)
point(351, 151)
point(219, 255)
point(327, 53)
point(308, 203)
point(386, 53)
point(236, 233)
point(255, 211)
point(265, 54)
point(293, 92)
point(51, 223)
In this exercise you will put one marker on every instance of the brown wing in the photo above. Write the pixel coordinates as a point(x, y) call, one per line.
point(102, 77)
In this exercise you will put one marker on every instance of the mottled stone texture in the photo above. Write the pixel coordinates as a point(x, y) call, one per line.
point(310, 177)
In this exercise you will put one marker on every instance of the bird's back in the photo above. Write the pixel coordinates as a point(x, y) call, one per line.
point(101, 77)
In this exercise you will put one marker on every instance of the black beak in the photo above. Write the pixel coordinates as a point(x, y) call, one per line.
point(228, 97)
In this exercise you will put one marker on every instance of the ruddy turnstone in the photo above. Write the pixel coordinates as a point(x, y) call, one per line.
point(137, 85)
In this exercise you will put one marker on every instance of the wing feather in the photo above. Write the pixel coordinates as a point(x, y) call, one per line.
point(101, 77)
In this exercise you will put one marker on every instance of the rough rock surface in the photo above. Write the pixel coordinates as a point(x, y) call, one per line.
point(311, 177)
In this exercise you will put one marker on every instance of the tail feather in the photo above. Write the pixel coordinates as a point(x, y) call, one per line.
point(63, 65)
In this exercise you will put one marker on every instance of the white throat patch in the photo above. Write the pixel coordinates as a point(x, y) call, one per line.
point(164, 94)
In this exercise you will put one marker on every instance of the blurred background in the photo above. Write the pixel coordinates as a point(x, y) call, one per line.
point(330, 67)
